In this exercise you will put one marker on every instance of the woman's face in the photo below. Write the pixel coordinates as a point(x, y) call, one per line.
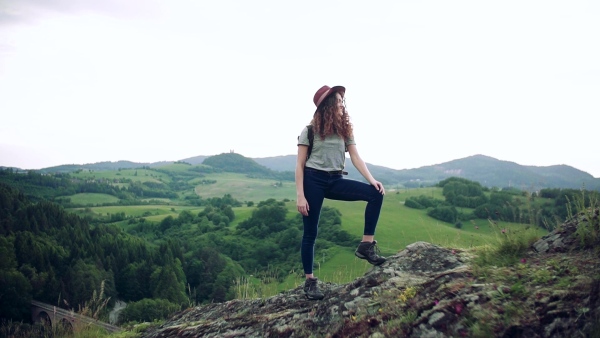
point(340, 103)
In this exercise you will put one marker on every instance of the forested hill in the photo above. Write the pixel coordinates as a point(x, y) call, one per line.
point(488, 171)
point(51, 255)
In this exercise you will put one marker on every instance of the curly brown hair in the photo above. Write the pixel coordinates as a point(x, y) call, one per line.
point(327, 121)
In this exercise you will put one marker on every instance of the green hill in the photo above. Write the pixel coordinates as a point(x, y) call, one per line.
point(237, 163)
point(486, 170)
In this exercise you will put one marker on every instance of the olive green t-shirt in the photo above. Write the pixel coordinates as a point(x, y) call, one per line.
point(328, 154)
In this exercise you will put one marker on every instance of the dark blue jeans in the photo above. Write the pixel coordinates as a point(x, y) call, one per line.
point(319, 185)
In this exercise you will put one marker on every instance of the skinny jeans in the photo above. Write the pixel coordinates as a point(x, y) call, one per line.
point(319, 185)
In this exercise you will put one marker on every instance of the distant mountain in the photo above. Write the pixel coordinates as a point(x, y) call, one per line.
point(492, 172)
point(486, 170)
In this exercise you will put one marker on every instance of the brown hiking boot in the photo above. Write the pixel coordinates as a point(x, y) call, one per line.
point(311, 289)
point(369, 251)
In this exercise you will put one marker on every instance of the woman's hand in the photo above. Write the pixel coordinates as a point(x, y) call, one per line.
point(302, 206)
point(379, 187)
point(361, 166)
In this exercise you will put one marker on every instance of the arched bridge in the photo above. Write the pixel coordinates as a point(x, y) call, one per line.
point(53, 315)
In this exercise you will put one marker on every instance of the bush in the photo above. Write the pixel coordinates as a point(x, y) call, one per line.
point(422, 202)
point(444, 213)
point(412, 203)
point(147, 310)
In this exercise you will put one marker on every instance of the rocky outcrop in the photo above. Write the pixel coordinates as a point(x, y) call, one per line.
point(425, 291)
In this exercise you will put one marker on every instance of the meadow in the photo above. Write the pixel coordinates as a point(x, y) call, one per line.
point(246, 189)
point(141, 175)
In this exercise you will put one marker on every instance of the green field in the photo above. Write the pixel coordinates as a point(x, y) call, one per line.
point(92, 198)
point(142, 175)
point(153, 213)
point(244, 189)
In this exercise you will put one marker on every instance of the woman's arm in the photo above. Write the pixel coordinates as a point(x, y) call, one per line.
point(361, 166)
point(301, 202)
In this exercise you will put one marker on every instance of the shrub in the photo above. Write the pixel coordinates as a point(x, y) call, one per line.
point(444, 213)
point(412, 203)
point(147, 310)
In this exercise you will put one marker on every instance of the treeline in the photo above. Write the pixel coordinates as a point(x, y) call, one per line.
point(510, 205)
point(38, 186)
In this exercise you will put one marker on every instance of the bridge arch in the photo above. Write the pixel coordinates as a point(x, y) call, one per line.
point(42, 317)
point(50, 315)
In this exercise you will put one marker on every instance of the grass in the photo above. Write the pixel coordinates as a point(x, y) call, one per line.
point(92, 198)
point(140, 210)
point(399, 226)
point(586, 208)
point(241, 214)
point(245, 189)
point(508, 245)
point(140, 175)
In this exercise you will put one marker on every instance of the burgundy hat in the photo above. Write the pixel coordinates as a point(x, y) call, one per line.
point(325, 91)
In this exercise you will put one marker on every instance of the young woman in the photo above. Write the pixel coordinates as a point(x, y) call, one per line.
point(319, 175)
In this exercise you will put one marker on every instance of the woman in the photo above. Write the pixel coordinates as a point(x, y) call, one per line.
point(319, 175)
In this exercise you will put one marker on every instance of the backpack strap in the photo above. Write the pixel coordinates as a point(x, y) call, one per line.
point(311, 138)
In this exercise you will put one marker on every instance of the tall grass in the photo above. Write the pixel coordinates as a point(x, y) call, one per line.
point(508, 245)
point(586, 217)
point(96, 305)
point(251, 287)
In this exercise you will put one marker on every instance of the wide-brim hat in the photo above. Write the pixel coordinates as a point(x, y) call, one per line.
point(325, 91)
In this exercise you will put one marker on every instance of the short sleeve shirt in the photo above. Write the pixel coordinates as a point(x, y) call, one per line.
point(328, 154)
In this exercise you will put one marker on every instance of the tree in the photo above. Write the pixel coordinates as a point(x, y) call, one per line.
point(81, 281)
point(15, 289)
point(166, 223)
point(168, 282)
point(185, 217)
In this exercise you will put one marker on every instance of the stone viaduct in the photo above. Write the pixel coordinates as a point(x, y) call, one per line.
point(53, 315)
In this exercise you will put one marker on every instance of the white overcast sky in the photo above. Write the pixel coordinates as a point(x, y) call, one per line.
point(84, 81)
